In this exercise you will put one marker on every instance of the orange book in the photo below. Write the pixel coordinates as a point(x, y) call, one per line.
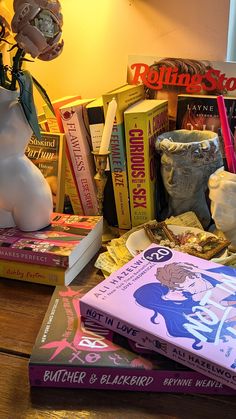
point(54, 120)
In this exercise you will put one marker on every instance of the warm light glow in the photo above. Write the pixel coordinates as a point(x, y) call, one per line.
point(100, 34)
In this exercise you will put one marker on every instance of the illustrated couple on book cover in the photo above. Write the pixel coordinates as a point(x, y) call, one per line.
point(187, 298)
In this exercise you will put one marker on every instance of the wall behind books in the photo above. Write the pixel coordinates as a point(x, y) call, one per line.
point(99, 36)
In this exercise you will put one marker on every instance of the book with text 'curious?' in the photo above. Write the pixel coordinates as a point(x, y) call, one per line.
point(179, 305)
point(144, 121)
point(74, 352)
point(60, 244)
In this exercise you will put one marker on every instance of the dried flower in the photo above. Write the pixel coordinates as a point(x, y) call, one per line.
point(38, 27)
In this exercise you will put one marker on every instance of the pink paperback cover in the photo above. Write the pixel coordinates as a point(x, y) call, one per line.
point(73, 352)
point(179, 305)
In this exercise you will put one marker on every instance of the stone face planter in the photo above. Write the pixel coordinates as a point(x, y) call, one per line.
point(188, 158)
point(25, 196)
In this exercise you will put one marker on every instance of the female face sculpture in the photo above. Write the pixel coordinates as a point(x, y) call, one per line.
point(222, 193)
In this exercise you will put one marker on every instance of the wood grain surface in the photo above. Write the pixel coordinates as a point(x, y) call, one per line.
point(22, 308)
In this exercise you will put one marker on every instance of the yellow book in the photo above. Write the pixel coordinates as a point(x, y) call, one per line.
point(125, 96)
point(48, 275)
point(144, 121)
point(43, 122)
point(48, 155)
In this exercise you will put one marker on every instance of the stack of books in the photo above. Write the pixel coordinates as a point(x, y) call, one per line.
point(176, 304)
point(53, 255)
point(165, 321)
point(89, 355)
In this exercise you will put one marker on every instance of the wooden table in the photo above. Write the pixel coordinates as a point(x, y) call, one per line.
point(22, 308)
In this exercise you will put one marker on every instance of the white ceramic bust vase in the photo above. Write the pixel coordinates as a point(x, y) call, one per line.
point(25, 196)
point(222, 193)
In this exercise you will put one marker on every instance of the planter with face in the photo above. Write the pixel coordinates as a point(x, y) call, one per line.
point(188, 158)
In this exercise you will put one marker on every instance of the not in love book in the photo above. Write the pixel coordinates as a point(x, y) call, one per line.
point(176, 304)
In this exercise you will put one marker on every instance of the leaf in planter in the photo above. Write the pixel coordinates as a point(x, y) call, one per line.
point(26, 100)
point(44, 94)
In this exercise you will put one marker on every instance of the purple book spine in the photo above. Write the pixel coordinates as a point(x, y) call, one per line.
point(125, 379)
point(150, 341)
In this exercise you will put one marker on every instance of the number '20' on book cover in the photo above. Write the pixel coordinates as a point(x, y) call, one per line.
point(74, 352)
point(179, 305)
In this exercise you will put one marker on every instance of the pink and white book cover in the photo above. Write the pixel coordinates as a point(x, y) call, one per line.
point(74, 118)
point(59, 244)
point(78, 353)
point(179, 305)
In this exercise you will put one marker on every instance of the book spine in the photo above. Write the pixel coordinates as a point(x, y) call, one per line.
point(61, 175)
point(32, 273)
point(120, 176)
point(124, 379)
point(52, 121)
point(42, 121)
point(81, 157)
point(141, 129)
point(96, 121)
point(138, 164)
point(55, 125)
point(117, 156)
point(71, 187)
point(178, 354)
point(39, 258)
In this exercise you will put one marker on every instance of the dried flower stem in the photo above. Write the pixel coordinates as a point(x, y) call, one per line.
point(17, 63)
point(2, 72)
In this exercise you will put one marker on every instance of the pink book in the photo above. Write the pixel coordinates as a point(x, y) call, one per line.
point(179, 305)
point(60, 244)
point(74, 119)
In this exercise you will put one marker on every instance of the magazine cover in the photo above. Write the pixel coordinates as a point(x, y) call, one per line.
point(177, 304)
point(167, 77)
point(74, 352)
